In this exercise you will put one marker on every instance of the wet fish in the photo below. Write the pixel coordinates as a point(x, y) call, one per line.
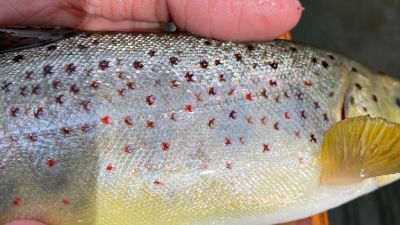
point(175, 129)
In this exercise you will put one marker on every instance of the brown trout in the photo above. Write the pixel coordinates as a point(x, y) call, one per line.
point(137, 129)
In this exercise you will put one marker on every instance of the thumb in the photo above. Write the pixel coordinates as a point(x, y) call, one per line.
point(25, 222)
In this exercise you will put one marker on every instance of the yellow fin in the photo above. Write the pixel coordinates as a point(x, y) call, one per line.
point(359, 148)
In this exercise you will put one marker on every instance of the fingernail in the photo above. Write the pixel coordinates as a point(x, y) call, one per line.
point(25, 222)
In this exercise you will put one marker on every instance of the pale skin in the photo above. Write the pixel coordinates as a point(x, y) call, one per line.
point(238, 20)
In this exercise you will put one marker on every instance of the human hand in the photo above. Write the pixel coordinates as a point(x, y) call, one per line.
point(242, 20)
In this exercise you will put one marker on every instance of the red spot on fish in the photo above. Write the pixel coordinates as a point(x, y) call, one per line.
point(266, 148)
point(308, 83)
point(66, 201)
point(16, 201)
point(287, 115)
point(128, 149)
point(110, 167)
point(229, 166)
point(128, 121)
point(165, 146)
point(150, 99)
point(228, 141)
point(150, 124)
point(249, 96)
point(189, 108)
point(106, 120)
point(51, 163)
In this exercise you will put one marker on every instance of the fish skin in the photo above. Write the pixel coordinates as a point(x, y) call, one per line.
point(175, 129)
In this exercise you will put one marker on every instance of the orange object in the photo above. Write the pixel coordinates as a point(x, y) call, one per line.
point(320, 219)
point(286, 36)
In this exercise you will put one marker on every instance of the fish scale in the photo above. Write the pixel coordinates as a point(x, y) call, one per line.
point(142, 129)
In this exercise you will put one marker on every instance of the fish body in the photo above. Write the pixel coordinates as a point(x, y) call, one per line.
point(176, 129)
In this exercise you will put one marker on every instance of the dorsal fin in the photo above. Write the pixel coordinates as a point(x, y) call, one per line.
point(16, 38)
point(358, 148)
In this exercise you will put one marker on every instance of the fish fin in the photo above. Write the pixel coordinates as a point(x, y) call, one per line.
point(18, 37)
point(359, 148)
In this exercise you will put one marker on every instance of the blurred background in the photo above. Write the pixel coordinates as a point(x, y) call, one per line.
point(368, 31)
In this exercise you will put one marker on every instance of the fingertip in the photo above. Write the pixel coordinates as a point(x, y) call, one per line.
point(25, 222)
point(244, 20)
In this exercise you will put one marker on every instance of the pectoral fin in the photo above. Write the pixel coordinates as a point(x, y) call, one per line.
point(358, 148)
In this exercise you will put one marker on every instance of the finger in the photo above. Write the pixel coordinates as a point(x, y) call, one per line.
point(95, 23)
point(25, 222)
point(236, 19)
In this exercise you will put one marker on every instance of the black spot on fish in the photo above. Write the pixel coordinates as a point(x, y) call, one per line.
point(15, 111)
point(60, 99)
point(189, 77)
point(374, 98)
point(314, 60)
point(353, 69)
point(35, 89)
point(331, 57)
point(47, 70)
point(217, 62)
point(207, 42)
point(6, 86)
point(70, 68)
point(18, 58)
point(238, 56)
point(325, 64)
point(74, 89)
point(138, 65)
point(397, 100)
point(173, 60)
point(56, 84)
point(211, 91)
point(250, 47)
point(103, 64)
point(151, 53)
point(293, 49)
point(23, 90)
point(358, 86)
point(28, 75)
point(203, 64)
point(352, 100)
point(273, 65)
point(39, 112)
point(81, 46)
